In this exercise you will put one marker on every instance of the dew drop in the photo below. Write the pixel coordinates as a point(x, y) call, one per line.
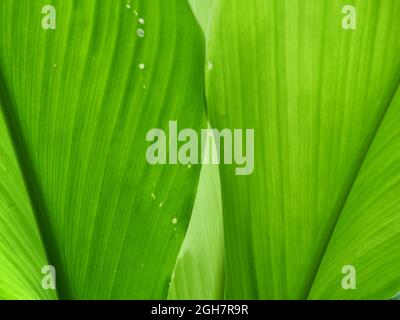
point(189, 166)
point(210, 65)
point(141, 21)
point(128, 6)
point(141, 66)
point(161, 204)
point(153, 196)
point(140, 32)
point(135, 12)
point(174, 221)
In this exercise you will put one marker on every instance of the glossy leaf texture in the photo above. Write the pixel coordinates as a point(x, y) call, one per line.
point(315, 94)
point(78, 102)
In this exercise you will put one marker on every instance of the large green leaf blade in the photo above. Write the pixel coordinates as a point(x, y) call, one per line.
point(367, 235)
point(82, 98)
point(22, 255)
point(315, 94)
point(199, 272)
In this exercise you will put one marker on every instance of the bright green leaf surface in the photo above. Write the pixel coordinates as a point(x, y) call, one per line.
point(199, 273)
point(21, 252)
point(203, 9)
point(368, 232)
point(79, 108)
point(76, 191)
point(315, 95)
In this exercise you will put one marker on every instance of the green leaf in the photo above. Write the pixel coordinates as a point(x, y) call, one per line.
point(22, 255)
point(367, 235)
point(78, 107)
point(199, 273)
point(203, 10)
point(315, 94)
point(76, 191)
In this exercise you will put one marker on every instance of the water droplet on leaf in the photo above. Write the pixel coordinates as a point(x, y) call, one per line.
point(140, 32)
